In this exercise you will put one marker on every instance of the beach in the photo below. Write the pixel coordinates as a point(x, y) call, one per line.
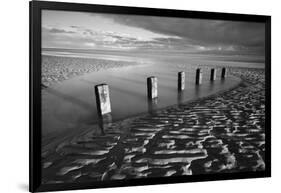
point(56, 69)
point(219, 133)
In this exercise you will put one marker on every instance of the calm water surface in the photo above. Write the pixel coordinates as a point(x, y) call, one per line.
point(71, 104)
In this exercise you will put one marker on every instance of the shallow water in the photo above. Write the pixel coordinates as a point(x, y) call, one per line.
point(71, 104)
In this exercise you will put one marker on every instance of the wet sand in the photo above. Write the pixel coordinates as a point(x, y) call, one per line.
point(56, 69)
point(221, 133)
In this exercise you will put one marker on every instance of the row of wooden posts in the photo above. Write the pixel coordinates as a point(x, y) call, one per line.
point(102, 90)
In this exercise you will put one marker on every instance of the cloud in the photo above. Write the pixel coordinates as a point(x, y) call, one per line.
point(182, 34)
point(202, 32)
point(56, 30)
point(85, 38)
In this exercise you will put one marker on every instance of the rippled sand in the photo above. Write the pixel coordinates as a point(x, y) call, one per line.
point(221, 133)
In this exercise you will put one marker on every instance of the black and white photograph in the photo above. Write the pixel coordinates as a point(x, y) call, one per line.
point(134, 96)
point(140, 96)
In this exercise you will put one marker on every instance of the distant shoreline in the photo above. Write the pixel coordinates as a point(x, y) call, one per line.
point(140, 53)
point(54, 70)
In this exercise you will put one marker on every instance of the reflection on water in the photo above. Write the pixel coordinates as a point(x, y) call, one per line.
point(76, 101)
point(104, 122)
point(211, 87)
point(197, 90)
point(152, 105)
point(180, 97)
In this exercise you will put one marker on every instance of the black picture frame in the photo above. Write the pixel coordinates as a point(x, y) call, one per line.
point(35, 93)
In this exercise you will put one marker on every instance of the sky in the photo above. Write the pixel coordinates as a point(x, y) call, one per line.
point(81, 30)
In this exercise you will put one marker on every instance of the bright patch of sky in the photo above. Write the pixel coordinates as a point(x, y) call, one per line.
point(86, 30)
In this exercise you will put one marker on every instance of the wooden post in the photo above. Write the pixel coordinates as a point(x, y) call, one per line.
point(181, 81)
point(198, 79)
point(102, 99)
point(152, 87)
point(223, 73)
point(213, 74)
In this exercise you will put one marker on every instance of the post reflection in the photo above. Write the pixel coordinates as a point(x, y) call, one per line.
point(105, 122)
point(180, 98)
point(222, 81)
point(197, 90)
point(152, 105)
point(211, 86)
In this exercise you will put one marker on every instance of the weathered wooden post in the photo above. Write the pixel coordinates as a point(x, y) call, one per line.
point(213, 74)
point(198, 78)
point(223, 73)
point(181, 81)
point(102, 99)
point(152, 87)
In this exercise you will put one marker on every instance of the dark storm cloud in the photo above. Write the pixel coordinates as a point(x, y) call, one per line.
point(215, 32)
